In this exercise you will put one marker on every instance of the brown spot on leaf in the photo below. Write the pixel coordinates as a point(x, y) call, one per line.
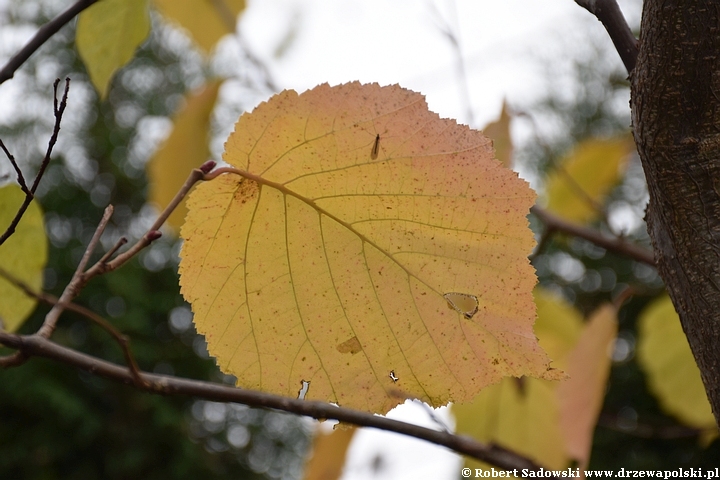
point(246, 190)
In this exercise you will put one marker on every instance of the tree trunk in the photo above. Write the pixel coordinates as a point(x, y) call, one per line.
point(676, 116)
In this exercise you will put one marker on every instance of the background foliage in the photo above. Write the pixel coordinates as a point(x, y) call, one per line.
point(56, 422)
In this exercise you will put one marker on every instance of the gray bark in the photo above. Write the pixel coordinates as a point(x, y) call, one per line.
point(675, 89)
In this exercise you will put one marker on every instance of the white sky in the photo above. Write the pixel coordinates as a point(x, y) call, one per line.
point(509, 47)
point(399, 41)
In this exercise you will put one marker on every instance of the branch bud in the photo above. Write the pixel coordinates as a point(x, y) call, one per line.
point(208, 166)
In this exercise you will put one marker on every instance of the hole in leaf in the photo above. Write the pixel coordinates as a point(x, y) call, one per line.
point(463, 303)
point(351, 346)
point(303, 390)
point(393, 377)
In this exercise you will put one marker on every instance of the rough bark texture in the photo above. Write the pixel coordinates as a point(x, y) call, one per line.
point(676, 117)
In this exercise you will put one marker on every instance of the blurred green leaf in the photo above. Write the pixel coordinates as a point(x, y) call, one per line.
point(672, 373)
point(108, 33)
point(576, 190)
point(23, 256)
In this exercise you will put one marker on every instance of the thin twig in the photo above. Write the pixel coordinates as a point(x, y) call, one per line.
point(121, 339)
point(169, 385)
point(613, 244)
point(624, 295)
point(608, 12)
point(259, 64)
point(43, 35)
point(153, 232)
point(51, 144)
point(13, 360)
point(52, 300)
point(58, 110)
point(121, 241)
point(93, 242)
point(78, 280)
point(81, 277)
point(445, 28)
point(20, 178)
point(230, 20)
point(642, 430)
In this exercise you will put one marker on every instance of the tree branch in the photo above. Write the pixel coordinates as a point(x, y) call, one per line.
point(675, 116)
point(153, 232)
point(52, 300)
point(18, 172)
point(608, 12)
point(30, 194)
point(462, 81)
point(43, 35)
point(616, 245)
point(58, 111)
point(78, 280)
point(81, 276)
point(36, 345)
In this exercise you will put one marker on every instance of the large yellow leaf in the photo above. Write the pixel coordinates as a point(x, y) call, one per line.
point(582, 180)
point(185, 149)
point(348, 253)
point(499, 132)
point(108, 33)
point(524, 415)
point(23, 256)
point(672, 375)
point(581, 395)
point(207, 21)
point(327, 457)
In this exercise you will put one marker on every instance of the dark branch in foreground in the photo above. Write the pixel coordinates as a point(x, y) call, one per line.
point(608, 12)
point(52, 300)
point(612, 244)
point(30, 194)
point(18, 172)
point(43, 35)
point(35, 345)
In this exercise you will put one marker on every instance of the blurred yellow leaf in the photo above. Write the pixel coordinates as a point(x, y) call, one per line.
point(558, 326)
point(185, 149)
point(499, 132)
point(583, 179)
point(519, 414)
point(672, 374)
point(23, 256)
point(524, 415)
point(550, 422)
point(581, 395)
point(324, 264)
point(327, 457)
point(108, 33)
point(207, 21)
